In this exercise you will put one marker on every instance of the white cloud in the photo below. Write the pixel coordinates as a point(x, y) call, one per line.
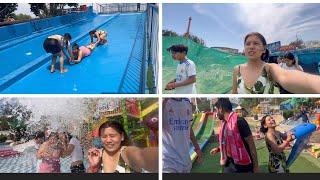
point(24, 8)
point(206, 10)
point(277, 21)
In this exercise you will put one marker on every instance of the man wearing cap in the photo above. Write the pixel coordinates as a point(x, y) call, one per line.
point(185, 81)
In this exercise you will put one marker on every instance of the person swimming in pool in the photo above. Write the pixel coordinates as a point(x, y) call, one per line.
point(81, 52)
point(55, 44)
point(100, 35)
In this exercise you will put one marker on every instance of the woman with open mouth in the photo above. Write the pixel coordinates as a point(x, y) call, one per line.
point(117, 156)
point(258, 77)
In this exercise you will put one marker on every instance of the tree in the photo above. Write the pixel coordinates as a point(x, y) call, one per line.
point(73, 4)
point(16, 115)
point(192, 37)
point(22, 17)
point(39, 9)
point(6, 10)
point(169, 33)
point(53, 9)
point(249, 103)
point(196, 39)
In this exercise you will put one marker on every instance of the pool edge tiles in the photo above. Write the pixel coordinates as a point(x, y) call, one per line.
point(11, 78)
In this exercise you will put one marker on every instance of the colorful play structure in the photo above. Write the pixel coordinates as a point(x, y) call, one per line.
point(203, 127)
point(140, 121)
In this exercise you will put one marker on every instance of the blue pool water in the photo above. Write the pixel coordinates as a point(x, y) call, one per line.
point(113, 68)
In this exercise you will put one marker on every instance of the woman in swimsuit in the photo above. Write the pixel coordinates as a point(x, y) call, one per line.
point(50, 153)
point(116, 156)
point(276, 143)
point(55, 45)
point(258, 77)
point(81, 52)
point(100, 35)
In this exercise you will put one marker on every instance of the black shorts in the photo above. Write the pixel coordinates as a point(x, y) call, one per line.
point(231, 167)
point(77, 169)
point(52, 46)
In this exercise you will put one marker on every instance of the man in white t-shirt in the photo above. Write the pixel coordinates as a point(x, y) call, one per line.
point(185, 81)
point(75, 150)
point(177, 134)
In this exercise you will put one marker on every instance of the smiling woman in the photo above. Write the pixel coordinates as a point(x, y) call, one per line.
point(258, 77)
point(117, 156)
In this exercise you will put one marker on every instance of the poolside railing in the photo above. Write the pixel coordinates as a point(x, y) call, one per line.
point(26, 29)
point(121, 8)
point(133, 79)
point(143, 61)
point(152, 46)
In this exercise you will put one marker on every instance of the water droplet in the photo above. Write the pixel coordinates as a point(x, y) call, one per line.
point(28, 53)
point(75, 87)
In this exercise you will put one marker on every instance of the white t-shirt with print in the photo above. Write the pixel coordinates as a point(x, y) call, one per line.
point(185, 69)
point(77, 153)
point(177, 117)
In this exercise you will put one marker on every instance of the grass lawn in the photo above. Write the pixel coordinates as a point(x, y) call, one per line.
point(305, 163)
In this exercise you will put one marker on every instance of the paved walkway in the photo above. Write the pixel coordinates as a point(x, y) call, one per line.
point(26, 163)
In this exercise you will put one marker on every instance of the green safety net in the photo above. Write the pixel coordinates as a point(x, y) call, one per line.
point(295, 102)
point(214, 67)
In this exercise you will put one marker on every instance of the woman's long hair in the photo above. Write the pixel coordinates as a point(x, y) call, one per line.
point(263, 122)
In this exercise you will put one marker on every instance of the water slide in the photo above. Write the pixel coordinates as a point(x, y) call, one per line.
point(203, 129)
point(114, 68)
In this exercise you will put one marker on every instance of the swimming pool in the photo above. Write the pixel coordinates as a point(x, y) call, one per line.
point(114, 68)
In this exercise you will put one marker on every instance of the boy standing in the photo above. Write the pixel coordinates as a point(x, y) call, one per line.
point(185, 82)
point(177, 134)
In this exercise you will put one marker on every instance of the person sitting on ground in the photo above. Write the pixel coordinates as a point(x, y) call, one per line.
point(81, 52)
point(117, 156)
point(100, 35)
point(55, 44)
point(276, 145)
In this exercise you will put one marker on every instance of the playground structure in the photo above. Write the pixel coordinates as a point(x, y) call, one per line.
point(203, 127)
point(139, 118)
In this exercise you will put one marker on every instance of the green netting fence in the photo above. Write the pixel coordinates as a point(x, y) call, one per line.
point(214, 67)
